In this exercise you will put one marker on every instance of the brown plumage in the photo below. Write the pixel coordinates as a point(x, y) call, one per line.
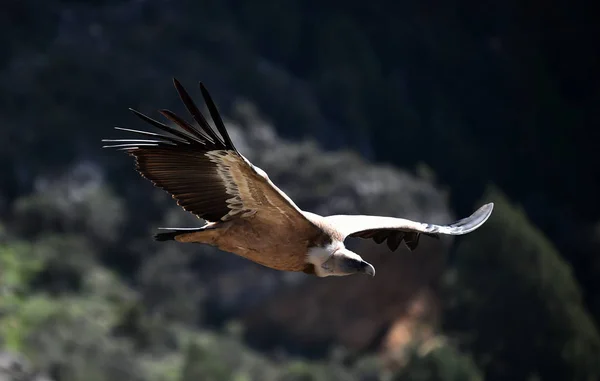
point(246, 213)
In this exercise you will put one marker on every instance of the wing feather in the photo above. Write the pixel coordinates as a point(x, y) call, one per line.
point(398, 230)
point(203, 171)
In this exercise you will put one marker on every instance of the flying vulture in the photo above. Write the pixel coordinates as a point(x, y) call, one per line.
point(245, 213)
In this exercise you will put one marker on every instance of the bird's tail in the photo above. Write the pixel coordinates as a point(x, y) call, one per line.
point(174, 232)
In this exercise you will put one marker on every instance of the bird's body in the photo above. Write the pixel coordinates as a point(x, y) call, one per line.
point(247, 214)
point(252, 240)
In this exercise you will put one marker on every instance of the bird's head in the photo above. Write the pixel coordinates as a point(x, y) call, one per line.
point(342, 262)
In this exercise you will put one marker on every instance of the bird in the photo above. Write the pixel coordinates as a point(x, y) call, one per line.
point(244, 212)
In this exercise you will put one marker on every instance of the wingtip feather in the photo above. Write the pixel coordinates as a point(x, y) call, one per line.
point(215, 115)
point(474, 221)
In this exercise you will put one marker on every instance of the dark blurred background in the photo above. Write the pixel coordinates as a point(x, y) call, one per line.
point(416, 109)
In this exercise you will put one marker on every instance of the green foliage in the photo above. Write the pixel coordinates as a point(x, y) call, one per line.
point(20, 318)
point(303, 371)
point(515, 302)
point(170, 288)
point(441, 363)
point(68, 335)
point(222, 357)
point(76, 202)
point(75, 342)
point(201, 364)
point(17, 268)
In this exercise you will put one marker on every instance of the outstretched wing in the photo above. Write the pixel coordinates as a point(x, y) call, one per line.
point(203, 171)
point(398, 230)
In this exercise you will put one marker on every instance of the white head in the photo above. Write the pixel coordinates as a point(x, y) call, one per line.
point(336, 260)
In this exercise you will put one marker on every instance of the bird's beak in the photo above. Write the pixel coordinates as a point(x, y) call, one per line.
point(368, 269)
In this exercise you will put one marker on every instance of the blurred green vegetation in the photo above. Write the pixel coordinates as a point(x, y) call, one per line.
point(479, 93)
point(440, 363)
point(515, 302)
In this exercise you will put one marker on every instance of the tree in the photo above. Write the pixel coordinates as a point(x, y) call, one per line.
point(514, 302)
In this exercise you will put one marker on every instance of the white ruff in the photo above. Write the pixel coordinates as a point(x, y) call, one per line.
point(319, 255)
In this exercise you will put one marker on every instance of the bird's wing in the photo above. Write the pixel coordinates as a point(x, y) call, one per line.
point(204, 172)
point(398, 230)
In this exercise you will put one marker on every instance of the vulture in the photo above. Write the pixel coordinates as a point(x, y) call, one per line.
point(246, 214)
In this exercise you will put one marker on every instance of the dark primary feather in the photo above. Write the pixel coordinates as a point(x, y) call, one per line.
point(177, 163)
point(214, 114)
point(194, 111)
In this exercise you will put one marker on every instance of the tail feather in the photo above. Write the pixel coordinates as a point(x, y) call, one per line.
point(170, 236)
